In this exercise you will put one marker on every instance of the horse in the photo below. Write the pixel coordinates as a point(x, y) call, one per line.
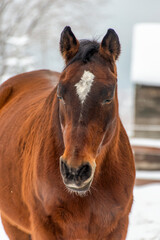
point(66, 165)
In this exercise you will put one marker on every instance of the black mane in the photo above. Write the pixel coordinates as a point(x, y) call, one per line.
point(86, 50)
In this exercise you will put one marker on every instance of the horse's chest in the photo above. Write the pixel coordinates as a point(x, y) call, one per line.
point(84, 224)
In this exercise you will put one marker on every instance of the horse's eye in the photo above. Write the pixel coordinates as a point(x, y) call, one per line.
point(60, 97)
point(107, 101)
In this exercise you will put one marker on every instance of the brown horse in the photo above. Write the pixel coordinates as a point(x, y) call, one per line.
point(66, 165)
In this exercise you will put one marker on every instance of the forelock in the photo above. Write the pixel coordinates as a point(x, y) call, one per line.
point(86, 51)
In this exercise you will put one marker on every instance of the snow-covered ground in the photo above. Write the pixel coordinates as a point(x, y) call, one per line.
point(145, 215)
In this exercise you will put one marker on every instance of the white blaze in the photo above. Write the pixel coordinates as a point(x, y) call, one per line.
point(84, 85)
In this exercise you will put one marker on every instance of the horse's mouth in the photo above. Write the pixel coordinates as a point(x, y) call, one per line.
point(79, 190)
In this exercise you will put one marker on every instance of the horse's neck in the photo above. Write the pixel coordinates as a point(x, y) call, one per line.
point(53, 124)
point(48, 145)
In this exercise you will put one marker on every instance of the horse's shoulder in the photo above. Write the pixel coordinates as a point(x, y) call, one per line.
point(26, 82)
point(40, 76)
point(30, 79)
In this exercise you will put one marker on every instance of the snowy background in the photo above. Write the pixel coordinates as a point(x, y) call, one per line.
point(144, 218)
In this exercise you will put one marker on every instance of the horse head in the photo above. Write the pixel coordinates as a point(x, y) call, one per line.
point(88, 105)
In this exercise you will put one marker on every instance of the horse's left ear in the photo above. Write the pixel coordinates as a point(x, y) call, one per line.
point(69, 45)
point(110, 45)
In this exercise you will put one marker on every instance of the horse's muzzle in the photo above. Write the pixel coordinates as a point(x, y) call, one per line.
point(77, 179)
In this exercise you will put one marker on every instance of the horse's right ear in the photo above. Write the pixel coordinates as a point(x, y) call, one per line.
point(69, 45)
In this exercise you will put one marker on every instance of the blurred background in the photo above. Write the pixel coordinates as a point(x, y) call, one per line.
point(29, 40)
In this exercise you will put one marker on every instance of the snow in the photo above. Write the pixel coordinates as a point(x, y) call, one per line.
point(3, 235)
point(18, 41)
point(144, 217)
point(152, 175)
point(145, 54)
point(145, 142)
point(13, 61)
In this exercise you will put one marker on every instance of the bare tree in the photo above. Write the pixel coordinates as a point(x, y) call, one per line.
point(18, 21)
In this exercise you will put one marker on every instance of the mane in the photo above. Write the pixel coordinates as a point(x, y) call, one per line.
point(86, 51)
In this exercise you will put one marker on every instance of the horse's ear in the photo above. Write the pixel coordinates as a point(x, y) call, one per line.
point(69, 45)
point(110, 45)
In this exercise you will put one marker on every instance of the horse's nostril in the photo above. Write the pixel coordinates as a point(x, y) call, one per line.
point(64, 168)
point(85, 172)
